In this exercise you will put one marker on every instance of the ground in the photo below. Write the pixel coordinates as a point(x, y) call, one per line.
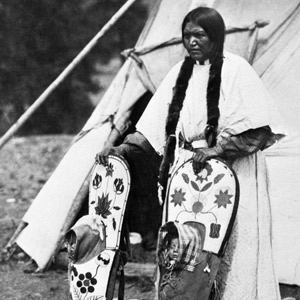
point(25, 165)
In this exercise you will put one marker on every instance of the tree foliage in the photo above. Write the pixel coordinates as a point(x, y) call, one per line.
point(39, 38)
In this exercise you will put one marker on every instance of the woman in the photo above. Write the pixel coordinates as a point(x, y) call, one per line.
point(214, 105)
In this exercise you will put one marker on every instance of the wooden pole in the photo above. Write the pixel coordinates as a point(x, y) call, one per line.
point(18, 124)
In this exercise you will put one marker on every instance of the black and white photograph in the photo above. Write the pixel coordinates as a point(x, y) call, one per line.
point(149, 150)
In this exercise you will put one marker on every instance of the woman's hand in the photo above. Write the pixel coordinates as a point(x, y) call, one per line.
point(102, 156)
point(200, 156)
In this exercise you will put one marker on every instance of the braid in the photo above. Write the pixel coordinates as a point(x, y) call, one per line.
point(182, 82)
point(212, 97)
point(213, 113)
point(179, 90)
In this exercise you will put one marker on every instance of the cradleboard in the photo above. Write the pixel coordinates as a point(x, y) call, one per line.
point(93, 276)
point(201, 208)
point(209, 197)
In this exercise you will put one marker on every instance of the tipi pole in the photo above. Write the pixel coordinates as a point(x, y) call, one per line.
point(19, 123)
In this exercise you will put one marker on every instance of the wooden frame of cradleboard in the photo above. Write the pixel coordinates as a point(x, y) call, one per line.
point(108, 194)
point(210, 197)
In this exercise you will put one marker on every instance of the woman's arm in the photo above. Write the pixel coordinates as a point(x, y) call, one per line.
point(132, 140)
point(235, 146)
point(245, 143)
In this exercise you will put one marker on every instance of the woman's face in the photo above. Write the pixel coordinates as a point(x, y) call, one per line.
point(197, 42)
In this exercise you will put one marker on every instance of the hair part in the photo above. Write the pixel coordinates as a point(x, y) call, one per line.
point(213, 24)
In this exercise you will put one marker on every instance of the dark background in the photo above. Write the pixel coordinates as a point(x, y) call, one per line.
point(38, 39)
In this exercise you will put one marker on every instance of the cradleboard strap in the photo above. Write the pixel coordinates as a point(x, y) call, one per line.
point(116, 269)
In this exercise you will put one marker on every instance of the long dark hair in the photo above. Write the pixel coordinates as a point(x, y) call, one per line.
point(213, 24)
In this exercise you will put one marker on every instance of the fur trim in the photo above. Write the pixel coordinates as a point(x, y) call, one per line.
point(212, 96)
point(179, 90)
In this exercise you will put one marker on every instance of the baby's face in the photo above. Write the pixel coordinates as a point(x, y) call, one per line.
point(173, 251)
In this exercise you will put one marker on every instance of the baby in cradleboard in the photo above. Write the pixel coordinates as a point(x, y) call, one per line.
point(170, 254)
point(181, 263)
point(186, 271)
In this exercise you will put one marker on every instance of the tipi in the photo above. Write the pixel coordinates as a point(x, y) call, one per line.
point(267, 33)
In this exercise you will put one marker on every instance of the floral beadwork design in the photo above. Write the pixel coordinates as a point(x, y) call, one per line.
point(197, 207)
point(108, 192)
point(103, 259)
point(104, 204)
point(202, 183)
point(185, 178)
point(97, 181)
point(204, 194)
point(214, 230)
point(178, 197)
point(118, 186)
point(223, 198)
point(205, 173)
point(109, 170)
point(84, 284)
